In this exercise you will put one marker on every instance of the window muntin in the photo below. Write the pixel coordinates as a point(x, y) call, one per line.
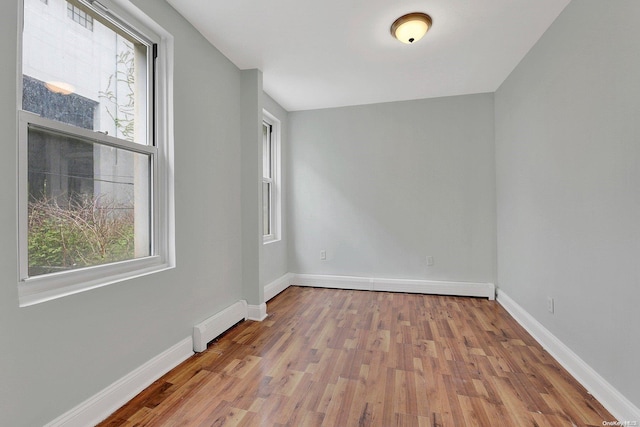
point(270, 178)
point(105, 159)
point(80, 16)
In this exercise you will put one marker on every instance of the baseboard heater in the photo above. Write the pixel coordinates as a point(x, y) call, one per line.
point(208, 330)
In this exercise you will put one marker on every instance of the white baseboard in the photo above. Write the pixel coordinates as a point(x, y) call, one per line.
point(471, 289)
point(334, 282)
point(101, 405)
point(619, 406)
point(215, 325)
point(257, 312)
point(280, 284)
point(104, 403)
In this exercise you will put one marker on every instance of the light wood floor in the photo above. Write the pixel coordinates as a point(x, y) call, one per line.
point(327, 357)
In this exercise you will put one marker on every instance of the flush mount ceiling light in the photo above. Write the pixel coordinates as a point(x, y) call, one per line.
point(411, 27)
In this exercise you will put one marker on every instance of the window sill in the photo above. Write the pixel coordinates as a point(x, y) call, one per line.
point(37, 290)
point(268, 240)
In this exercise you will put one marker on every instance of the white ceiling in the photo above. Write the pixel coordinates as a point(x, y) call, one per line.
point(329, 53)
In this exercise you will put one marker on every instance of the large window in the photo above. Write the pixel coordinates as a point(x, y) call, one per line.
point(270, 178)
point(93, 195)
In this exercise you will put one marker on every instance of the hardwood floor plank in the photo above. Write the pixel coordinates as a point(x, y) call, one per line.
point(328, 357)
point(335, 403)
point(388, 404)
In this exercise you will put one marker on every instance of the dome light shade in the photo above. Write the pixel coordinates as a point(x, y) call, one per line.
point(411, 27)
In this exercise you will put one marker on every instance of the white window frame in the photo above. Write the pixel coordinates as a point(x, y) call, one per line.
point(34, 290)
point(275, 217)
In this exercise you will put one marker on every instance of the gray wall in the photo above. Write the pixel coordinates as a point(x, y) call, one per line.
point(56, 354)
point(568, 204)
point(273, 258)
point(380, 187)
point(251, 187)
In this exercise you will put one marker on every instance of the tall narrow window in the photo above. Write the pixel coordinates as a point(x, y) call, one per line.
point(90, 159)
point(270, 178)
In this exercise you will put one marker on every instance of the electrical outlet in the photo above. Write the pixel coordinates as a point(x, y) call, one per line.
point(550, 305)
point(429, 260)
point(323, 254)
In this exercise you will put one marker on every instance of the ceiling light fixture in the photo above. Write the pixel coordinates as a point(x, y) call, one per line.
point(411, 27)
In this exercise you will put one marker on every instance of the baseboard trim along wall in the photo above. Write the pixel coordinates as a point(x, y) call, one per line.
point(257, 312)
point(470, 289)
point(104, 403)
point(619, 406)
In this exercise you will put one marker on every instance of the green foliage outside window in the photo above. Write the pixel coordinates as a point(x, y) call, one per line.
point(80, 234)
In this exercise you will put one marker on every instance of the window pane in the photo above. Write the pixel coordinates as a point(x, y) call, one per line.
point(88, 203)
point(266, 208)
point(80, 16)
point(79, 70)
point(266, 150)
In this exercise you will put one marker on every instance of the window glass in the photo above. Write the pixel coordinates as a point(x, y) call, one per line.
point(266, 208)
point(95, 80)
point(88, 203)
point(266, 150)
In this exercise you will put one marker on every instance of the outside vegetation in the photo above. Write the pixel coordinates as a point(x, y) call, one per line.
point(85, 232)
